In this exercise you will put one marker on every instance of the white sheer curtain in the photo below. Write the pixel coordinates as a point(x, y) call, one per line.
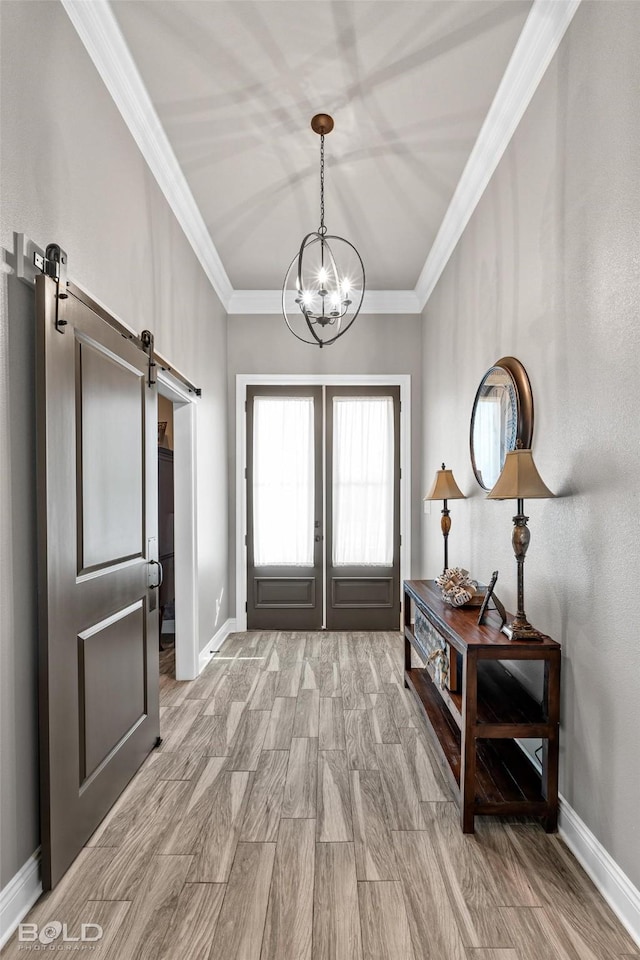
point(363, 479)
point(283, 471)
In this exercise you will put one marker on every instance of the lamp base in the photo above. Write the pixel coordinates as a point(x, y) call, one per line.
point(520, 629)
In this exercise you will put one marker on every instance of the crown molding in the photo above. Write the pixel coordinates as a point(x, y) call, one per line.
point(390, 301)
point(99, 31)
point(541, 35)
point(375, 301)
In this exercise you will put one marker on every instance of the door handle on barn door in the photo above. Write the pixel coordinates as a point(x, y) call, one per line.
point(154, 586)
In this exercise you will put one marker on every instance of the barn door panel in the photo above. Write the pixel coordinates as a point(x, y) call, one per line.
point(98, 571)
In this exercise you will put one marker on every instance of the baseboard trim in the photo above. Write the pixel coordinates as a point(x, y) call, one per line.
point(614, 885)
point(611, 881)
point(229, 626)
point(19, 895)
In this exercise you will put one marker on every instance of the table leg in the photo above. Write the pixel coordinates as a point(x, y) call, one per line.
point(468, 769)
point(551, 745)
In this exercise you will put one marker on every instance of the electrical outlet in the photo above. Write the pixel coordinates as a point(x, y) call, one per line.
point(426, 507)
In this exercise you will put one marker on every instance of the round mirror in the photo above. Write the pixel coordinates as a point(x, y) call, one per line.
point(502, 415)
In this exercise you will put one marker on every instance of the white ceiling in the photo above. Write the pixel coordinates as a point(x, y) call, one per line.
point(218, 95)
point(236, 82)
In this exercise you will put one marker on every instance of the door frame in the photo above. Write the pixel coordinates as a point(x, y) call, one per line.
point(185, 409)
point(244, 380)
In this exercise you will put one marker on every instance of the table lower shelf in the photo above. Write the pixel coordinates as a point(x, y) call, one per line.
point(506, 781)
point(501, 697)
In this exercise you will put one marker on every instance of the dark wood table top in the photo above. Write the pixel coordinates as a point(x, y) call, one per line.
point(460, 623)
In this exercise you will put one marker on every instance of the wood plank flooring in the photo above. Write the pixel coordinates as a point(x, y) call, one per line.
point(295, 811)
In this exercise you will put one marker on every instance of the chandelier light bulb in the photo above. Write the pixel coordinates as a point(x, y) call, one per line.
point(324, 286)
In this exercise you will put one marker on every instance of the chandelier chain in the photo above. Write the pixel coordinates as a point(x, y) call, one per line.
point(322, 229)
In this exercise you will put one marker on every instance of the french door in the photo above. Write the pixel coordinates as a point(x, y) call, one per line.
point(363, 508)
point(323, 498)
point(284, 520)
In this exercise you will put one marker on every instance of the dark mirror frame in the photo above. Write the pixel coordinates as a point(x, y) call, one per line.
point(524, 401)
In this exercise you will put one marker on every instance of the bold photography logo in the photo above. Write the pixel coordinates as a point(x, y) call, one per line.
point(56, 931)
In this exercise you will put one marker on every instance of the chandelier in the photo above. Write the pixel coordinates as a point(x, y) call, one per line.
point(324, 285)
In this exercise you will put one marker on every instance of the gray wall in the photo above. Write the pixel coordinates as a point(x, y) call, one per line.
point(374, 345)
point(71, 173)
point(548, 271)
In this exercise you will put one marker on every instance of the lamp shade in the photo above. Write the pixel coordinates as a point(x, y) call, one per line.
point(519, 479)
point(444, 487)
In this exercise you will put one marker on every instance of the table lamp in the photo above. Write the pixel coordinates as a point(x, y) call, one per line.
point(445, 488)
point(519, 480)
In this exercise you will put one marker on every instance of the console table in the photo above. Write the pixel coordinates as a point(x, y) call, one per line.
point(476, 712)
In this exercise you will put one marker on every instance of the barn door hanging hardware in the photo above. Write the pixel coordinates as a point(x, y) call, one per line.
point(146, 338)
point(54, 265)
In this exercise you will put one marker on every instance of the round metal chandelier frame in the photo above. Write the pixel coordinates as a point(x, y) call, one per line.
point(326, 300)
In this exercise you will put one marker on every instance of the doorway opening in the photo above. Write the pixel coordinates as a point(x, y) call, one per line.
point(322, 507)
point(166, 553)
point(177, 532)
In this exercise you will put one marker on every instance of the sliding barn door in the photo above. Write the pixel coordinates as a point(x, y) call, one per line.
point(363, 508)
point(284, 508)
point(99, 715)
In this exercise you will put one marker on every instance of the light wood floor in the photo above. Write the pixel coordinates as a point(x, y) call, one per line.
point(295, 812)
point(167, 662)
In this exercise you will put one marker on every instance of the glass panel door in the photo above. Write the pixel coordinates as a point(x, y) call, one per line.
point(363, 464)
point(363, 508)
point(291, 580)
point(284, 515)
point(283, 473)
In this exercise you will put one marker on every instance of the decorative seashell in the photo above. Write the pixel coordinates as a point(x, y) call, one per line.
point(455, 575)
point(457, 586)
point(461, 596)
